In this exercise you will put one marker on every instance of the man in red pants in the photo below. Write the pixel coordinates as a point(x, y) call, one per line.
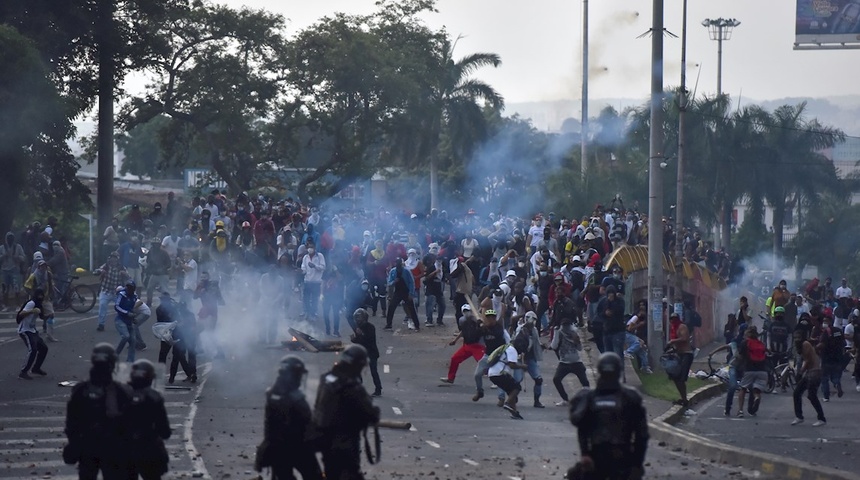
point(472, 347)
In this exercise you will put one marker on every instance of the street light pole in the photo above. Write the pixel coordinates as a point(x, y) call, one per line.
point(584, 123)
point(655, 188)
point(679, 184)
point(720, 29)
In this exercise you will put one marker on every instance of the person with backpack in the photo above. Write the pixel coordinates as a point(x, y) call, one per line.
point(37, 350)
point(493, 336)
point(753, 354)
point(779, 333)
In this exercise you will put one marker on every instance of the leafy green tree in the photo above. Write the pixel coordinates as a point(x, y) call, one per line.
point(218, 78)
point(794, 162)
point(34, 157)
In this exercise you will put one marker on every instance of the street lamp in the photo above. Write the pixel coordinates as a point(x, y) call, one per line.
point(720, 29)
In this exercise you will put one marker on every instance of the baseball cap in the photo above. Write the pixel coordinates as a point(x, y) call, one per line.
point(577, 258)
point(511, 273)
point(466, 308)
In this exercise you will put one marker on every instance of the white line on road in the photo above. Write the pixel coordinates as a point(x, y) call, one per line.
point(433, 444)
point(397, 411)
point(515, 478)
point(389, 350)
point(386, 369)
point(188, 435)
point(61, 323)
point(413, 429)
point(470, 462)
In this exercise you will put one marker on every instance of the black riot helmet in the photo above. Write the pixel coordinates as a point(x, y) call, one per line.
point(360, 315)
point(291, 372)
point(104, 354)
point(354, 358)
point(609, 367)
point(142, 373)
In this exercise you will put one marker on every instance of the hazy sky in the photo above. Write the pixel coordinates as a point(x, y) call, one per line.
point(540, 44)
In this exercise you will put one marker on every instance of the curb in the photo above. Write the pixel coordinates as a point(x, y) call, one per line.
point(663, 430)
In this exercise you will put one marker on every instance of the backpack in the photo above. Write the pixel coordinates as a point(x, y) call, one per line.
point(497, 355)
point(756, 350)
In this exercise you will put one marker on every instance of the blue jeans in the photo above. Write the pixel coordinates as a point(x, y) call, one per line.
point(126, 336)
point(635, 349)
point(732, 387)
point(434, 301)
point(311, 298)
point(830, 373)
point(614, 342)
point(104, 300)
point(480, 370)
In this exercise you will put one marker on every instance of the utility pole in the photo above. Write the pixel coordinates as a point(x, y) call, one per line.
point(655, 188)
point(584, 123)
point(104, 182)
point(721, 29)
point(679, 204)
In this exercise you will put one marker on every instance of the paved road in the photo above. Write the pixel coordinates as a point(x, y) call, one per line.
point(219, 422)
point(835, 444)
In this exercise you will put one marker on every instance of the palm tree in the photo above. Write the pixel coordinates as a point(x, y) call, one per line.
point(795, 164)
point(454, 105)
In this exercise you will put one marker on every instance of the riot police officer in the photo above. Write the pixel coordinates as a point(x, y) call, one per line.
point(611, 425)
point(148, 425)
point(96, 421)
point(287, 423)
point(342, 411)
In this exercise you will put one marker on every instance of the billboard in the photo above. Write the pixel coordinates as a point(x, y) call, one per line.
point(827, 22)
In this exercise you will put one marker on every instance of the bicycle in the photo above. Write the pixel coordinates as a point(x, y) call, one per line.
point(721, 373)
point(779, 372)
point(80, 298)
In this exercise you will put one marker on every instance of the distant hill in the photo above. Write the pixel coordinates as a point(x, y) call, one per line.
point(842, 111)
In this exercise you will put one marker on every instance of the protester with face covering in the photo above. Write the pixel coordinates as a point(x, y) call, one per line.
point(43, 279)
point(96, 424)
point(27, 318)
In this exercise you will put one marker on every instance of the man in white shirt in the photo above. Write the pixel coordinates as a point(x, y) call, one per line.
point(189, 280)
point(843, 290)
point(37, 350)
point(313, 266)
point(501, 373)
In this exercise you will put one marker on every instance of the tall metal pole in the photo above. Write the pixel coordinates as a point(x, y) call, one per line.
point(584, 133)
point(720, 62)
point(104, 180)
point(679, 183)
point(655, 188)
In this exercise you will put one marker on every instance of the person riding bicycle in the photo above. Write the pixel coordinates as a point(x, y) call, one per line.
point(779, 333)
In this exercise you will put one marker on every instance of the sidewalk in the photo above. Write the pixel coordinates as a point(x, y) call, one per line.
point(765, 444)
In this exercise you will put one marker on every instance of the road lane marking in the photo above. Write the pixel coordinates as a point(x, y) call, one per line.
point(60, 323)
point(197, 462)
point(386, 369)
point(413, 429)
point(470, 462)
point(433, 444)
point(389, 350)
point(397, 411)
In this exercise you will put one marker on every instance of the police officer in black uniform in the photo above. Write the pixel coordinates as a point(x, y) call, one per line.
point(148, 425)
point(96, 423)
point(611, 425)
point(287, 423)
point(342, 410)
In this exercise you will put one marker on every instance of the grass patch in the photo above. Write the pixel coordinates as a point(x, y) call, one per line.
point(659, 386)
